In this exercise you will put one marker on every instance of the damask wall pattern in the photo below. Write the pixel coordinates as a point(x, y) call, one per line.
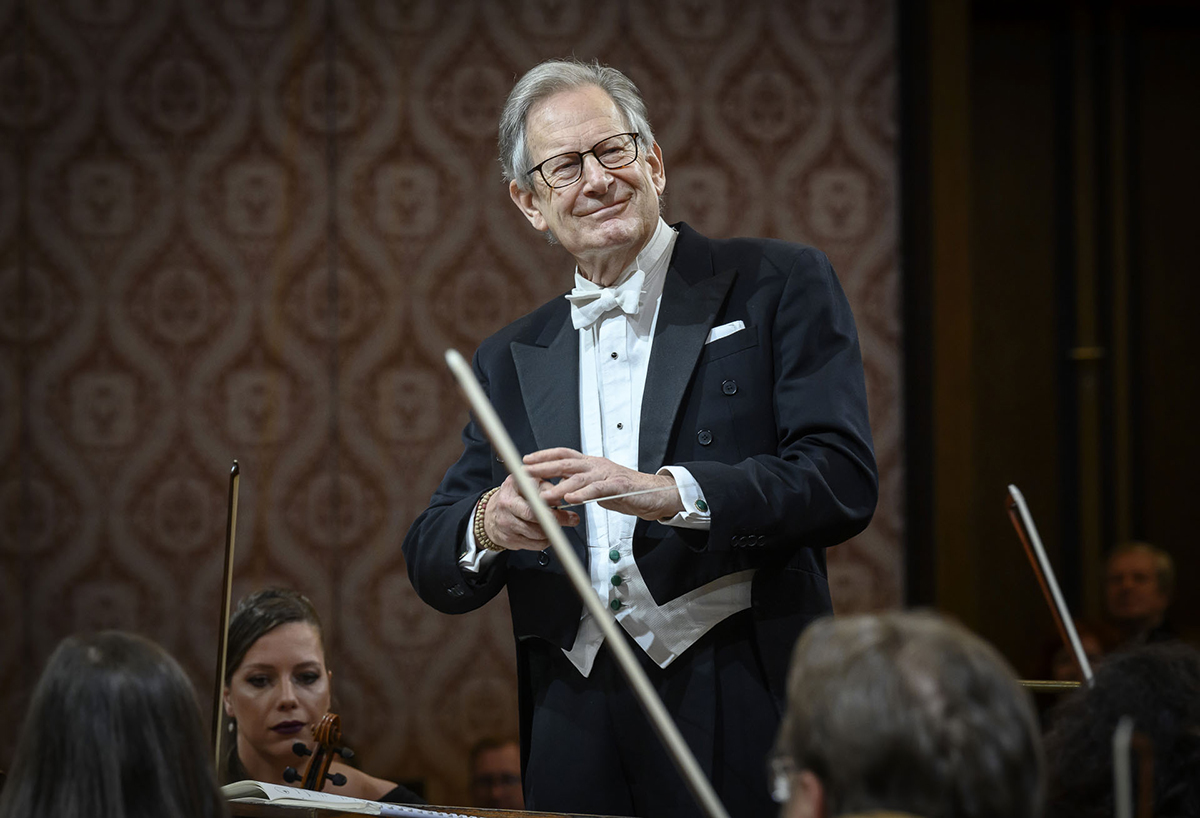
point(250, 228)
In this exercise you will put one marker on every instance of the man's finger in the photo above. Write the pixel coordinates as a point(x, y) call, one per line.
point(556, 494)
point(556, 453)
point(558, 468)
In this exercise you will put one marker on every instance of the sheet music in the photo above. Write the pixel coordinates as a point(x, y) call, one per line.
point(408, 811)
point(265, 792)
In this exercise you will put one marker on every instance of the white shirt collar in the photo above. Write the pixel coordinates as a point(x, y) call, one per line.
point(650, 258)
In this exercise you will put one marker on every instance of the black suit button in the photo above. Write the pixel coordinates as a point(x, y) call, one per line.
point(455, 591)
point(704, 437)
point(729, 387)
point(543, 558)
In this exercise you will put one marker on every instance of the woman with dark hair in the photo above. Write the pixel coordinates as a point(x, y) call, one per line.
point(113, 731)
point(1159, 687)
point(277, 687)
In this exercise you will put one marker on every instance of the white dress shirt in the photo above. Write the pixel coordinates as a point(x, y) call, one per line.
point(614, 354)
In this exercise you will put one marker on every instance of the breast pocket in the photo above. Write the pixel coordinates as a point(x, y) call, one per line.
point(742, 339)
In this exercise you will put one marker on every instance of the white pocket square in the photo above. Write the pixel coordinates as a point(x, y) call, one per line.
point(725, 329)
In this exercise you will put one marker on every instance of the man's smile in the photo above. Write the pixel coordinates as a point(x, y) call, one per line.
point(605, 210)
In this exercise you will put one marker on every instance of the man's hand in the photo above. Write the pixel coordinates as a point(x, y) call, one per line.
point(586, 478)
point(510, 522)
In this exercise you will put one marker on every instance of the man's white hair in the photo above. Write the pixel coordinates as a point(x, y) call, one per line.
point(550, 78)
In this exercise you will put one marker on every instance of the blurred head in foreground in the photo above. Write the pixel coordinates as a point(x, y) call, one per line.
point(113, 731)
point(905, 712)
point(1159, 687)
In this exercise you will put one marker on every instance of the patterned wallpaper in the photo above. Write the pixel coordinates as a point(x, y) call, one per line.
point(250, 228)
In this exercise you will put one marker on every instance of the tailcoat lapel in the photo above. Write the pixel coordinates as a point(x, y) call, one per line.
point(548, 372)
point(691, 299)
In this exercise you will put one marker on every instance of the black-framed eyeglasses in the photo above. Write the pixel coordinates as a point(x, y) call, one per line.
point(567, 168)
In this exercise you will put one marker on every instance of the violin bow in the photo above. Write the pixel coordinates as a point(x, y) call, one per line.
point(699, 786)
point(1125, 740)
point(1022, 520)
point(223, 625)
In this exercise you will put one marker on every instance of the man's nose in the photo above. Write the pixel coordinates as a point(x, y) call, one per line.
point(595, 175)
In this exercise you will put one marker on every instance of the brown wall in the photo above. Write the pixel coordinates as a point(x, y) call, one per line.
point(1165, 289)
point(1055, 268)
point(250, 229)
point(1013, 241)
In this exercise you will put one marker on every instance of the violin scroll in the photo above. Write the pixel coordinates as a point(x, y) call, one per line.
point(328, 734)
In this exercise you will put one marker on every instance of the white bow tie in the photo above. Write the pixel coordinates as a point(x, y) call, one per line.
point(589, 303)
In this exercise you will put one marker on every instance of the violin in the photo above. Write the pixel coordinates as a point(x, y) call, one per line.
point(328, 733)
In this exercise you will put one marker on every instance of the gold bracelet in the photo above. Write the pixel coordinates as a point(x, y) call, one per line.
point(481, 537)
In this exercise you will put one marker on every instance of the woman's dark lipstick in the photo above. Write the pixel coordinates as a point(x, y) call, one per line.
point(288, 728)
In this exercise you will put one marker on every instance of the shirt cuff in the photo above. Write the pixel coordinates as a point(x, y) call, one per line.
point(473, 559)
point(696, 513)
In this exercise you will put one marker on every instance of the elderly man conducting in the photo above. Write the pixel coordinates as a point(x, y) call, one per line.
point(726, 375)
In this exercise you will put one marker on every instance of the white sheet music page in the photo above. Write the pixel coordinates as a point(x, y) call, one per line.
point(264, 792)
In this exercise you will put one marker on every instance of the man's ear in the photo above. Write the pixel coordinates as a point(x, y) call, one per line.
point(808, 797)
point(526, 202)
point(658, 171)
